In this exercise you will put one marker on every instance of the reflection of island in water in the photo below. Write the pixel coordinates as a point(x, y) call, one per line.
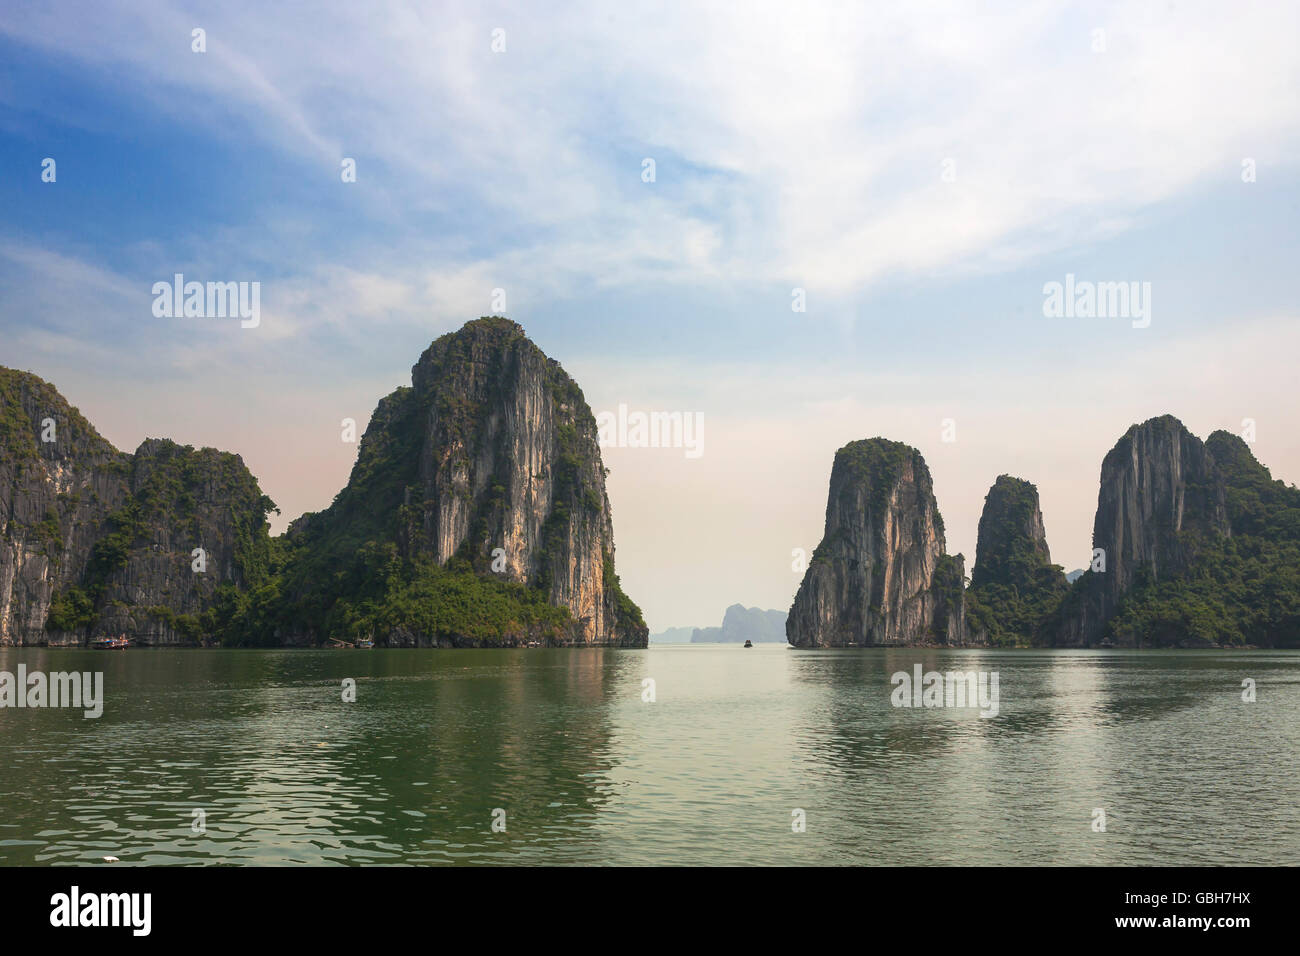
point(285, 771)
point(1076, 732)
point(686, 755)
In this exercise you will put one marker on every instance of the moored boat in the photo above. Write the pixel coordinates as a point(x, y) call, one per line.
point(110, 643)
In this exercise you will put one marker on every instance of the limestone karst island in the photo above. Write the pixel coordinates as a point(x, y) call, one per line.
point(476, 516)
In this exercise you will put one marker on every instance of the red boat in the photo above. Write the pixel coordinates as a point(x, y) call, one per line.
point(110, 643)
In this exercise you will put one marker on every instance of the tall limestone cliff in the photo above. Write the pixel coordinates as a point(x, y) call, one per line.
point(1014, 584)
point(96, 542)
point(881, 574)
point(1162, 514)
point(1233, 581)
point(479, 487)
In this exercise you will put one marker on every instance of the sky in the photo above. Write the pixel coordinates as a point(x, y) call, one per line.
point(914, 174)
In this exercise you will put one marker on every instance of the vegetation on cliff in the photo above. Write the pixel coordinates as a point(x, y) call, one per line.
point(1014, 584)
point(368, 566)
point(1217, 559)
point(25, 400)
point(377, 592)
point(1243, 588)
point(185, 497)
point(878, 464)
point(1228, 573)
point(373, 564)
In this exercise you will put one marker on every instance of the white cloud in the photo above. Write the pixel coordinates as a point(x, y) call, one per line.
point(801, 145)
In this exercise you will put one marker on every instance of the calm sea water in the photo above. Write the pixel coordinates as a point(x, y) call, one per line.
point(710, 772)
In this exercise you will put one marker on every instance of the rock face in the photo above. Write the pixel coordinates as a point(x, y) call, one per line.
point(1161, 500)
point(881, 574)
point(740, 624)
point(156, 588)
point(1012, 539)
point(55, 496)
point(98, 543)
point(476, 514)
point(1014, 580)
point(489, 464)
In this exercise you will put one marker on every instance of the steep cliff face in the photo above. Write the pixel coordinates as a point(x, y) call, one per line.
point(1012, 540)
point(951, 624)
point(59, 482)
point(880, 574)
point(1162, 502)
point(1160, 498)
point(193, 525)
point(1014, 583)
point(97, 542)
point(1236, 585)
point(488, 465)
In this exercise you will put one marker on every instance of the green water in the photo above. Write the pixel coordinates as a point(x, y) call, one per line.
point(709, 773)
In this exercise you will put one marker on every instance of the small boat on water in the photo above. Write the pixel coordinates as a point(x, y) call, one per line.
point(110, 643)
point(353, 645)
point(749, 643)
